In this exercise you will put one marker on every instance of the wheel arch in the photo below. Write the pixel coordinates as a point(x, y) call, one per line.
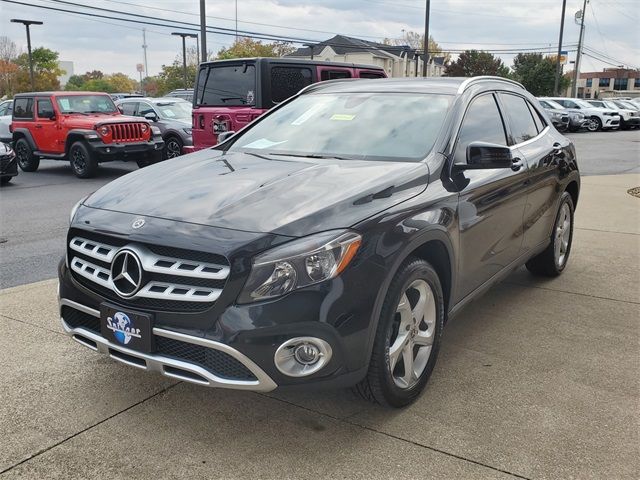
point(574, 190)
point(75, 136)
point(19, 133)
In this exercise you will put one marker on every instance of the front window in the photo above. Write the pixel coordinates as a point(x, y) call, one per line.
point(358, 126)
point(86, 104)
point(225, 86)
point(174, 111)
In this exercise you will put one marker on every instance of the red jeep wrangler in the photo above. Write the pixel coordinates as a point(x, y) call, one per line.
point(83, 127)
point(229, 94)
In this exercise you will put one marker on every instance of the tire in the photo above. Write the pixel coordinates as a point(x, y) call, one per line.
point(27, 161)
point(397, 326)
point(553, 260)
point(150, 159)
point(172, 147)
point(5, 180)
point(595, 125)
point(83, 163)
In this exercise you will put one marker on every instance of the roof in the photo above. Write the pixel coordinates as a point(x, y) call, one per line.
point(288, 60)
point(342, 44)
point(60, 92)
point(440, 85)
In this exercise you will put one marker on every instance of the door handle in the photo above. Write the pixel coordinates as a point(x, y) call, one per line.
point(516, 164)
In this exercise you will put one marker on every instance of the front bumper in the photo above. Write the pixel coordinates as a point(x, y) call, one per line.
point(611, 122)
point(165, 365)
point(151, 150)
point(8, 167)
point(631, 122)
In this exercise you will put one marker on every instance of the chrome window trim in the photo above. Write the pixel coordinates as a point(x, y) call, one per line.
point(463, 86)
point(158, 363)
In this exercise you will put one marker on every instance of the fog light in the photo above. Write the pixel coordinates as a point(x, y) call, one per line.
point(302, 356)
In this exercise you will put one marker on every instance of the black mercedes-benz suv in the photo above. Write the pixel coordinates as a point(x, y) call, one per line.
point(326, 243)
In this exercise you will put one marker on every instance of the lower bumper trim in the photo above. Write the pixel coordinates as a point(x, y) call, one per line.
point(169, 367)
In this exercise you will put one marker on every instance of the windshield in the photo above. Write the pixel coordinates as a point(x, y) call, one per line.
point(227, 85)
point(174, 111)
point(86, 104)
point(583, 104)
point(363, 126)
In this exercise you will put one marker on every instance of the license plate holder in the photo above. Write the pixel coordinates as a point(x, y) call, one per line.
point(124, 327)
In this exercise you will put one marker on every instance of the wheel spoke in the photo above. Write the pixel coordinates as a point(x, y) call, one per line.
point(407, 359)
point(397, 348)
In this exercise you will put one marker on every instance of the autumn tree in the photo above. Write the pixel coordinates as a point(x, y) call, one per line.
point(415, 40)
point(46, 70)
point(247, 47)
point(471, 63)
point(96, 81)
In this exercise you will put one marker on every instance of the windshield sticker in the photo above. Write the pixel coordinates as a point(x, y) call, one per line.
point(342, 117)
point(262, 143)
point(64, 103)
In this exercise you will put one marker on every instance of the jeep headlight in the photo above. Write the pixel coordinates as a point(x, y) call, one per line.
point(300, 263)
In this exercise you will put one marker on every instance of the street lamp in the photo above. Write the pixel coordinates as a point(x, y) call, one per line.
point(26, 23)
point(184, 52)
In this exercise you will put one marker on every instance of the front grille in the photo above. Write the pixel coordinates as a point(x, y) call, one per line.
point(215, 361)
point(5, 161)
point(168, 281)
point(128, 132)
point(219, 363)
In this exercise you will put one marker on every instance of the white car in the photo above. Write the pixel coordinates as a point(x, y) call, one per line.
point(603, 118)
point(629, 117)
point(6, 108)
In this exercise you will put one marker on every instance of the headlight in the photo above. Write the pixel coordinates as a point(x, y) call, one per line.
point(75, 208)
point(144, 127)
point(104, 130)
point(556, 115)
point(300, 263)
point(187, 131)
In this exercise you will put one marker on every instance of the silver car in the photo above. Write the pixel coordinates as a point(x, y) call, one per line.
point(6, 109)
point(171, 115)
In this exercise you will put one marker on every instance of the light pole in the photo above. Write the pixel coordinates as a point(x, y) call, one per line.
point(576, 71)
point(557, 80)
point(184, 52)
point(426, 39)
point(203, 31)
point(27, 23)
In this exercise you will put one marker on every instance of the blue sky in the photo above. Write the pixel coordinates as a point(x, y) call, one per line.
point(114, 46)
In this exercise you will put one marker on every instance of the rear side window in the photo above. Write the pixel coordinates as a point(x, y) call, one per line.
point(523, 126)
point(287, 81)
point(128, 108)
point(226, 86)
point(371, 75)
point(482, 123)
point(334, 74)
point(537, 118)
point(45, 108)
point(23, 108)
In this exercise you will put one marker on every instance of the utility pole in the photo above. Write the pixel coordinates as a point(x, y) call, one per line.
point(144, 48)
point(236, 20)
point(557, 81)
point(27, 23)
point(576, 72)
point(203, 30)
point(184, 53)
point(425, 71)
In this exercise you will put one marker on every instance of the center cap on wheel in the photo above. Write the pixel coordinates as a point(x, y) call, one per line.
point(126, 273)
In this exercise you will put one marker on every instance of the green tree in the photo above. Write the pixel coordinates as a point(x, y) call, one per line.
point(537, 73)
point(96, 81)
point(247, 47)
point(45, 68)
point(473, 62)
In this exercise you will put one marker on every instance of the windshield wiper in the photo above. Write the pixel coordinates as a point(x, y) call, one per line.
point(74, 112)
point(225, 99)
point(307, 155)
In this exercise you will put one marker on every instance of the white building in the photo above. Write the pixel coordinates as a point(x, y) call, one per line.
point(397, 61)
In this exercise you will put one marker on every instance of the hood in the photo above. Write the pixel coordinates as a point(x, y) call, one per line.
point(89, 121)
point(255, 193)
point(176, 122)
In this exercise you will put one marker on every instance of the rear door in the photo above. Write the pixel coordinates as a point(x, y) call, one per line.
point(491, 206)
point(46, 132)
point(530, 135)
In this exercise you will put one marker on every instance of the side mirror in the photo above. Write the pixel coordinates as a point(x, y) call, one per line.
point(481, 155)
point(225, 135)
point(151, 116)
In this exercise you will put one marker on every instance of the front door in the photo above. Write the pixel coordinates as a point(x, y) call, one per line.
point(491, 205)
point(46, 131)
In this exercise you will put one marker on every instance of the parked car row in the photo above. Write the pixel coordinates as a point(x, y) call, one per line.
point(573, 114)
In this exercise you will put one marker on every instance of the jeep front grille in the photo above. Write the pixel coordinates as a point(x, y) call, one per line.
point(168, 281)
point(128, 132)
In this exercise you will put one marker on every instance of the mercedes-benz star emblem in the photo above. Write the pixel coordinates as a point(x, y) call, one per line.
point(126, 273)
point(138, 223)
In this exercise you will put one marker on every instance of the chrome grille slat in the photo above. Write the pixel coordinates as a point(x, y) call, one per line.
point(155, 288)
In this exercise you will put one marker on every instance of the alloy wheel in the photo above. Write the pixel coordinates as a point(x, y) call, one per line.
point(79, 160)
point(22, 154)
point(413, 334)
point(173, 149)
point(562, 235)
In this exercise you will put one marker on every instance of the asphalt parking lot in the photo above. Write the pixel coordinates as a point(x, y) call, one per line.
point(537, 379)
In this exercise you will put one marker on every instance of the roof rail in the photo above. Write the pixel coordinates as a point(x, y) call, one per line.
point(324, 83)
point(472, 80)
